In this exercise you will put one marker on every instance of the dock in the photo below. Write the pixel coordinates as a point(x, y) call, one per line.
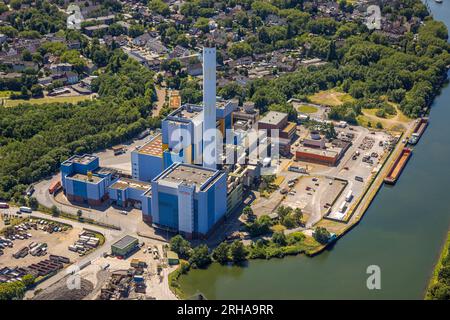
point(398, 166)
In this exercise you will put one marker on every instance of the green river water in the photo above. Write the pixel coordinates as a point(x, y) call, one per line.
point(402, 232)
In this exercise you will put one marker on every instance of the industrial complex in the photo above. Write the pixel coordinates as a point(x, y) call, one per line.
point(178, 178)
point(191, 175)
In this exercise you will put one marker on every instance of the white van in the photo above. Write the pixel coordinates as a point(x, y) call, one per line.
point(25, 210)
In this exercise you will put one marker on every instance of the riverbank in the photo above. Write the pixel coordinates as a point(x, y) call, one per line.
point(438, 288)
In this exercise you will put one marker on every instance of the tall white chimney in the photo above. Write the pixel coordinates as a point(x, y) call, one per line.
point(210, 151)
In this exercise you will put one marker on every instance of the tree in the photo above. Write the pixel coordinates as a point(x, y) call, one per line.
point(200, 257)
point(181, 246)
point(221, 252)
point(238, 251)
point(260, 226)
point(379, 125)
point(279, 238)
point(33, 203)
point(15, 4)
point(55, 211)
point(37, 91)
point(26, 55)
point(240, 49)
point(12, 290)
point(248, 212)
point(322, 235)
point(28, 280)
point(298, 215)
point(159, 7)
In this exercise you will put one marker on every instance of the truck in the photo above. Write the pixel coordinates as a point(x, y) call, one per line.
point(343, 207)
point(30, 190)
point(349, 196)
point(54, 187)
point(118, 150)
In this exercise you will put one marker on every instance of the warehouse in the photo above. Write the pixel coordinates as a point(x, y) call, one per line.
point(278, 121)
point(328, 157)
point(189, 199)
point(125, 246)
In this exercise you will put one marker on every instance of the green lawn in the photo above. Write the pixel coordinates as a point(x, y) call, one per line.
point(74, 99)
point(307, 109)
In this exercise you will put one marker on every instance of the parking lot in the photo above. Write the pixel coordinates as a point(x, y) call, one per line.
point(56, 242)
point(314, 195)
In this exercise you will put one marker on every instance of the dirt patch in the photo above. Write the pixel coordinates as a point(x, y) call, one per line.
point(330, 98)
point(60, 291)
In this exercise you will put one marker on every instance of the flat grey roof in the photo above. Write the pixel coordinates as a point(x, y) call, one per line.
point(125, 242)
point(189, 174)
point(273, 117)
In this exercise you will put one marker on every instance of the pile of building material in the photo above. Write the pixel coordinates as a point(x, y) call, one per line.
point(118, 286)
point(87, 241)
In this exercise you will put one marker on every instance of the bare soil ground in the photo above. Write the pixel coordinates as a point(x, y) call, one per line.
point(61, 291)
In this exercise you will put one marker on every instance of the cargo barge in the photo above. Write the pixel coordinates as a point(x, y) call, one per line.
point(398, 166)
point(419, 129)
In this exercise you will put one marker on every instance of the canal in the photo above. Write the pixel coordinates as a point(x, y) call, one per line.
point(402, 232)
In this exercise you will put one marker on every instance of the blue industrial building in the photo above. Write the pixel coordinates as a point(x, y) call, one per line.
point(187, 198)
point(182, 131)
point(84, 181)
point(173, 186)
point(127, 192)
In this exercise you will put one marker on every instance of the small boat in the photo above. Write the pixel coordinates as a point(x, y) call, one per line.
point(439, 1)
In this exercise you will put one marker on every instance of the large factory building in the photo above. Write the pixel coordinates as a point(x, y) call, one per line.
point(172, 184)
point(147, 160)
point(84, 181)
point(188, 198)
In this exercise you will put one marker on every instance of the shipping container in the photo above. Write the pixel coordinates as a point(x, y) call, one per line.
point(55, 186)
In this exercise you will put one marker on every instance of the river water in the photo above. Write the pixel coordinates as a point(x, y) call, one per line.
point(402, 232)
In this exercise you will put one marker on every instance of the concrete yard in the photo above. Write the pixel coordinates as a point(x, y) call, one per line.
point(314, 202)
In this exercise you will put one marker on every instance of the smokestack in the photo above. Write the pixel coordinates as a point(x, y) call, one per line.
point(209, 108)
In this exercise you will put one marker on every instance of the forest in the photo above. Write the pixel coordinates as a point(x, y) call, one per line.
point(34, 139)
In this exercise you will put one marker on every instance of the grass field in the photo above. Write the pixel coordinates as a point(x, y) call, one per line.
point(373, 112)
point(7, 93)
point(395, 122)
point(74, 99)
point(307, 109)
point(330, 98)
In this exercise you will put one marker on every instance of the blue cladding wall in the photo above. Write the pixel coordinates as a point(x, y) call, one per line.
point(149, 167)
point(211, 206)
point(168, 210)
point(79, 188)
point(147, 205)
